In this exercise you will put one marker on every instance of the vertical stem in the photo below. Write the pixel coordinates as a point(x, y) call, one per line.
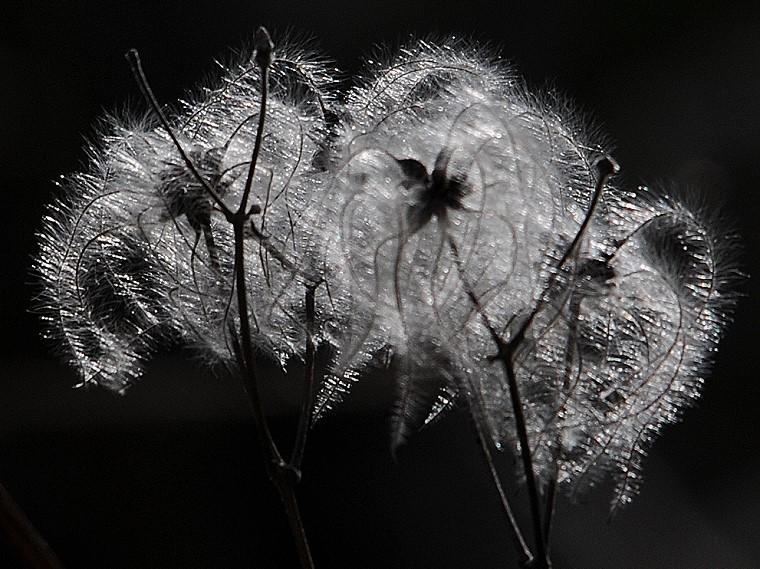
point(309, 383)
point(283, 475)
point(286, 487)
point(505, 354)
point(264, 47)
point(551, 495)
point(248, 365)
point(527, 556)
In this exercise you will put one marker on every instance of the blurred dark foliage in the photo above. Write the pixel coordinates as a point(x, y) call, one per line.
point(170, 475)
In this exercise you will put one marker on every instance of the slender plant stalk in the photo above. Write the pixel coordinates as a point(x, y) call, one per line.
point(485, 447)
point(605, 168)
point(304, 421)
point(134, 61)
point(31, 548)
point(283, 475)
point(505, 354)
point(506, 351)
point(550, 498)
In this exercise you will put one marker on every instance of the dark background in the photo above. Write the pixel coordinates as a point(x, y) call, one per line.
point(170, 475)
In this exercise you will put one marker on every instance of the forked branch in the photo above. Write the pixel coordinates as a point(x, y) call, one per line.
point(284, 475)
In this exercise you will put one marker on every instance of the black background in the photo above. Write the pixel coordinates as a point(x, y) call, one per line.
point(170, 475)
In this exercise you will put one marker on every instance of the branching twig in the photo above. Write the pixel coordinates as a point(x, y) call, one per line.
point(283, 475)
point(504, 354)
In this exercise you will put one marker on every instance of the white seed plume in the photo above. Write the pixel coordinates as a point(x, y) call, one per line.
point(451, 181)
point(460, 201)
point(135, 254)
point(442, 213)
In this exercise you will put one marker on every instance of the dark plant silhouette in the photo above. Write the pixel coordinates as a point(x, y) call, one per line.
point(440, 219)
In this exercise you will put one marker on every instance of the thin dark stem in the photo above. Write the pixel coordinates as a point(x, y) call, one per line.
point(248, 368)
point(134, 60)
point(505, 354)
point(264, 47)
point(574, 304)
point(286, 487)
point(605, 168)
point(283, 475)
point(31, 548)
point(551, 495)
point(309, 394)
point(527, 556)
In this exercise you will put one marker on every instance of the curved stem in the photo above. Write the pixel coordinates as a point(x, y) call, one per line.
point(31, 548)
